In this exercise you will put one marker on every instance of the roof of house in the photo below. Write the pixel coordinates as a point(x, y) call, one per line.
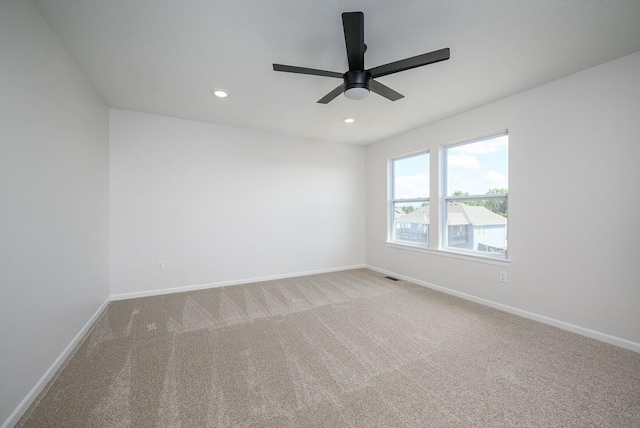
point(418, 216)
point(458, 214)
point(477, 215)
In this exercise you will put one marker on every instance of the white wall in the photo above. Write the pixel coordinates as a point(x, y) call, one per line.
point(54, 201)
point(219, 204)
point(574, 204)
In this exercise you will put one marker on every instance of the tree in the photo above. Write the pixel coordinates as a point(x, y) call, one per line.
point(502, 191)
point(498, 206)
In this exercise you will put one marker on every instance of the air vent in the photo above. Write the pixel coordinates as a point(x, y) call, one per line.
point(390, 278)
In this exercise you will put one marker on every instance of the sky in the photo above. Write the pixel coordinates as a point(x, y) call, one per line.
point(411, 177)
point(474, 168)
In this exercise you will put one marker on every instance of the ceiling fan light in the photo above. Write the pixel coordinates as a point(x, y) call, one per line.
point(356, 93)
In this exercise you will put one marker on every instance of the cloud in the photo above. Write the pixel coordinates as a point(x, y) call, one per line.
point(481, 185)
point(412, 186)
point(478, 184)
point(463, 161)
point(495, 180)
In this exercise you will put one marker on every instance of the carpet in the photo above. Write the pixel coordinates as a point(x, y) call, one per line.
point(344, 349)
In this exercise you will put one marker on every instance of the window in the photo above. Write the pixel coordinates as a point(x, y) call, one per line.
point(409, 216)
point(472, 204)
point(475, 187)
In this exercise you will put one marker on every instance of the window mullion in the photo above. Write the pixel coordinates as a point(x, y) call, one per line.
point(411, 200)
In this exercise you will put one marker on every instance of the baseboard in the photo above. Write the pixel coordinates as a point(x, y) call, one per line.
point(137, 294)
point(19, 411)
point(593, 334)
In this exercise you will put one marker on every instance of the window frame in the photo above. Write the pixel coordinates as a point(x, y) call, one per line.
point(446, 199)
point(391, 229)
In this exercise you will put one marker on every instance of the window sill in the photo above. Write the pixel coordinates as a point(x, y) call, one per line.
point(450, 254)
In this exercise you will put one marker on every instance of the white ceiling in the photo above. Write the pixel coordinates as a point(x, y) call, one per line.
point(165, 56)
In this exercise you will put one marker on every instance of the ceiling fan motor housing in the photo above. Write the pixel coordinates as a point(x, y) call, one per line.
point(356, 84)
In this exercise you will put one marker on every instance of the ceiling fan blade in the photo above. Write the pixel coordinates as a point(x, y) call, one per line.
point(385, 91)
point(303, 70)
point(409, 63)
point(331, 95)
point(353, 23)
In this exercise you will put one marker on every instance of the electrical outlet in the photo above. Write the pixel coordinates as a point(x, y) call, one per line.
point(159, 265)
point(503, 276)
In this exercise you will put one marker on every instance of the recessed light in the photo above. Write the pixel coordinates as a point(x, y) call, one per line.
point(220, 94)
point(349, 120)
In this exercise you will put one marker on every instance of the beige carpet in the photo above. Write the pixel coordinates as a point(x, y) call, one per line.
point(348, 349)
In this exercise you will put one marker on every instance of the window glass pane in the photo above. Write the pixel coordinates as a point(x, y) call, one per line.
point(411, 222)
point(411, 177)
point(479, 167)
point(478, 225)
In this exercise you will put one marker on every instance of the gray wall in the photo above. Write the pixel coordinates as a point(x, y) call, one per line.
point(573, 203)
point(218, 203)
point(54, 200)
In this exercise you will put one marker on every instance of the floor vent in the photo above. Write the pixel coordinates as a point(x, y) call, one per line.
point(390, 278)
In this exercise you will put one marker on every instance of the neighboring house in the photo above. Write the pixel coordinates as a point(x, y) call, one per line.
point(413, 226)
point(469, 227)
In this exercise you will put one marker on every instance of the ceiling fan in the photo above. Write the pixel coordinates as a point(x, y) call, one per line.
point(357, 82)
